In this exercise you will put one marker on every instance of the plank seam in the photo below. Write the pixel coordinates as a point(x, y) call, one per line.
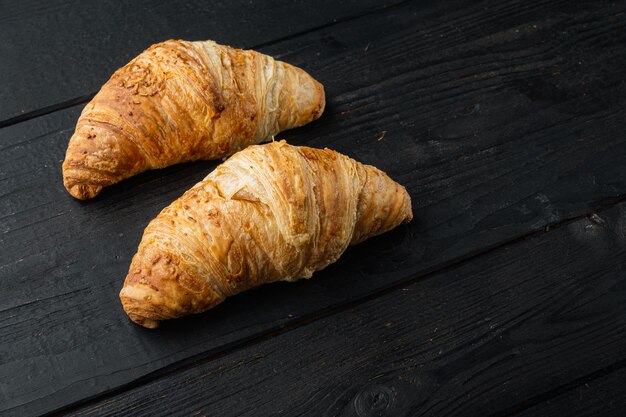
point(46, 110)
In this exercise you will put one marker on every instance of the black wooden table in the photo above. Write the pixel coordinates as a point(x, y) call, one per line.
point(506, 295)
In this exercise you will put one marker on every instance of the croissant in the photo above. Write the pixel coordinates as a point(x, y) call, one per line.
point(182, 101)
point(271, 212)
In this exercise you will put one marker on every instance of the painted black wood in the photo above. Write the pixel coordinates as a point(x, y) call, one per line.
point(61, 51)
point(602, 396)
point(476, 340)
point(501, 119)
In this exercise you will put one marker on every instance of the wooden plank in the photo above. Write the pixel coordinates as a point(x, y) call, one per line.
point(603, 396)
point(472, 341)
point(494, 126)
point(62, 51)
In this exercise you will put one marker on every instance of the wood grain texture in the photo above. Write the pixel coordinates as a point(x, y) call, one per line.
point(473, 341)
point(61, 51)
point(500, 119)
point(603, 396)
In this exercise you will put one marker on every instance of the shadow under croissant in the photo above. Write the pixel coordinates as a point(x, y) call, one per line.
point(165, 184)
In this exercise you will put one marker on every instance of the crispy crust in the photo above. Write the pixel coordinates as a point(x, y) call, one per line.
point(271, 212)
point(182, 101)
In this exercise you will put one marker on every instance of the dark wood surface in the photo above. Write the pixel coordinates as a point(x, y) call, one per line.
point(602, 395)
point(492, 333)
point(60, 52)
point(505, 295)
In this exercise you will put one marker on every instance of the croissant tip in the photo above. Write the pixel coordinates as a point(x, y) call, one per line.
point(144, 321)
point(83, 191)
point(136, 305)
point(321, 101)
point(134, 313)
point(409, 216)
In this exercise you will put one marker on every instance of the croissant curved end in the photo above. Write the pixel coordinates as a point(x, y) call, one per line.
point(312, 100)
point(134, 305)
point(144, 321)
point(318, 109)
point(304, 102)
point(82, 191)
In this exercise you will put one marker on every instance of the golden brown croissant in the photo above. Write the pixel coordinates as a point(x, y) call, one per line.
point(270, 212)
point(182, 101)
